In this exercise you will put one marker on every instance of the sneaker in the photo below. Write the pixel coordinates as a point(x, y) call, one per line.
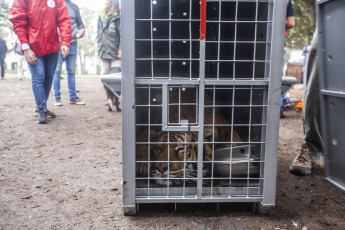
point(301, 166)
point(19, 78)
point(49, 113)
point(77, 101)
point(58, 102)
point(42, 117)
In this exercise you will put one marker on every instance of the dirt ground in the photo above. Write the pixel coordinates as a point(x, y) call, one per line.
point(66, 174)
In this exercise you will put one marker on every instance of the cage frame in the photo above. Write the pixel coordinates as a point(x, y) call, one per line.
point(128, 127)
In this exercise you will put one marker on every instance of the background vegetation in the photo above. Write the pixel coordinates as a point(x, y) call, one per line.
point(5, 24)
point(305, 16)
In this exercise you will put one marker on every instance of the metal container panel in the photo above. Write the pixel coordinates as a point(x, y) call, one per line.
point(331, 16)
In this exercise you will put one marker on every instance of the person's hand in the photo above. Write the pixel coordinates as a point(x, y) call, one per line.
point(80, 33)
point(119, 55)
point(64, 51)
point(30, 56)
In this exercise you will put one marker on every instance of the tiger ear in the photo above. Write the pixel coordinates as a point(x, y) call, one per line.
point(208, 133)
point(155, 133)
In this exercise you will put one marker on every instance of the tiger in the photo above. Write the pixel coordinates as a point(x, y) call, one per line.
point(183, 151)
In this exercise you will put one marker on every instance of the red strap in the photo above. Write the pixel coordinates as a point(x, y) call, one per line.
point(203, 20)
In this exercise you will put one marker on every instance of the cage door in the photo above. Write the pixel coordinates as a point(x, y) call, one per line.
point(180, 108)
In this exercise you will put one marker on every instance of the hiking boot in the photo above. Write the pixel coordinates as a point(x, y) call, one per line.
point(49, 113)
point(42, 117)
point(58, 102)
point(301, 166)
point(76, 101)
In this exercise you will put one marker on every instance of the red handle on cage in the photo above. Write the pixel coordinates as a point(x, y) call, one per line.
point(203, 20)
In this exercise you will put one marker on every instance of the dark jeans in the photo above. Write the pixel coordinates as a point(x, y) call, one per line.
point(2, 66)
point(42, 77)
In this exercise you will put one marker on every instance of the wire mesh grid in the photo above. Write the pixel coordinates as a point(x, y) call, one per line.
point(171, 65)
point(167, 38)
point(234, 126)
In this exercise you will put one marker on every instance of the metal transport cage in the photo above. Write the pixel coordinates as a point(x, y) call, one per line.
point(201, 91)
point(331, 16)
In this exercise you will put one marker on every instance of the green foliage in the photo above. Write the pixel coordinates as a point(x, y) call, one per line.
point(5, 24)
point(305, 16)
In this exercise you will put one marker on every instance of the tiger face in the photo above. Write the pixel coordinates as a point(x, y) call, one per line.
point(177, 160)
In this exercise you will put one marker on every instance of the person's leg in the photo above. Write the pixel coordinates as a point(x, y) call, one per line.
point(115, 100)
point(38, 75)
point(106, 65)
point(71, 61)
point(311, 109)
point(57, 75)
point(50, 62)
point(312, 150)
point(2, 67)
point(20, 59)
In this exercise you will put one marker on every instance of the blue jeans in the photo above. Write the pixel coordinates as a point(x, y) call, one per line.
point(71, 60)
point(42, 74)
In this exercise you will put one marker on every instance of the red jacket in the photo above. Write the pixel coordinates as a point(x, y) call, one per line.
point(36, 21)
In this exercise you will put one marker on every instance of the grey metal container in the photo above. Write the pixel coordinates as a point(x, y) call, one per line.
point(331, 16)
point(190, 94)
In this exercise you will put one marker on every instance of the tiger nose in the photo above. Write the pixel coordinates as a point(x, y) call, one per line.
point(161, 167)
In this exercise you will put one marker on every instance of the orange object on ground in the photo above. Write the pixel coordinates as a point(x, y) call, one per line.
point(300, 104)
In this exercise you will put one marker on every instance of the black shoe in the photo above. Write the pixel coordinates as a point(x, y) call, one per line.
point(49, 113)
point(118, 109)
point(76, 101)
point(42, 117)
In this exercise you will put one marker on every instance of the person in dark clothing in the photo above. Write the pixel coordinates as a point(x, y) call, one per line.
point(78, 31)
point(290, 23)
point(311, 153)
point(290, 16)
point(109, 42)
point(3, 51)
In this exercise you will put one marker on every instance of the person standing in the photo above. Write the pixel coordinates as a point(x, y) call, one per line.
point(35, 23)
point(3, 51)
point(290, 23)
point(109, 40)
point(78, 31)
point(311, 153)
point(20, 60)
